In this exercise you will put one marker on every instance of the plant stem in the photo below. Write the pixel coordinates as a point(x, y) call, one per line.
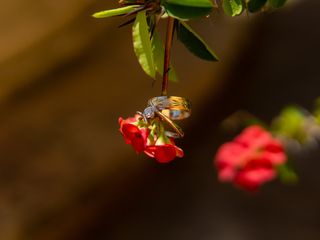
point(167, 56)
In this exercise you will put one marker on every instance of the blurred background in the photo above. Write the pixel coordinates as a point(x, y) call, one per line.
point(65, 172)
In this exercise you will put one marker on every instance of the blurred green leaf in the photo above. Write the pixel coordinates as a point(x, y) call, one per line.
point(158, 55)
point(276, 3)
point(290, 124)
point(194, 42)
point(187, 9)
point(127, 1)
point(287, 174)
point(317, 110)
point(232, 7)
point(142, 44)
point(256, 5)
point(114, 12)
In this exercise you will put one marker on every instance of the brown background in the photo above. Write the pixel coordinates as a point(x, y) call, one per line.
point(65, 173)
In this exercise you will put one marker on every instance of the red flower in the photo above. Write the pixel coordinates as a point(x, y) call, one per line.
point(149, 138)
point(133, 134)
point(250, 159)
point(164, 151)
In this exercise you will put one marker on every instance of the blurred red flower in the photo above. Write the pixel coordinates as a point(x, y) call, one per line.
point(250, 159)
point(134, 135)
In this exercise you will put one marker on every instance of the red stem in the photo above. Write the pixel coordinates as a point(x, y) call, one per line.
point(167, 56)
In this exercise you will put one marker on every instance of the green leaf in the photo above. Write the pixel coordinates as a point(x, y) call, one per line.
point(187, 9)
point(232, 7)
point(256, 5)
point(127, 1)
point(114, 12)
point(142, 44)
point(194, 42)
point(276, 3)
point(158, 56)
point(287, 174)
point(290, 124)
point(317, 110)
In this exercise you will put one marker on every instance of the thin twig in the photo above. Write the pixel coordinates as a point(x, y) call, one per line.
point(167, 56)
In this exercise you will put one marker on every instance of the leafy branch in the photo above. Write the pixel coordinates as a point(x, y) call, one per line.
point(148, 45)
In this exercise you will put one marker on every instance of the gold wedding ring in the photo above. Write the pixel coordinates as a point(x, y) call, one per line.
point(179, 133)
point(175, 108)
point(169, 109)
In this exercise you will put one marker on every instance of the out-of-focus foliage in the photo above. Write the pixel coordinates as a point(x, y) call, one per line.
point(276, 3)
point(255, 5)
point(287, 174)
point(317, 110)
point(290, 124)
point(298, 124)
point(293, 125)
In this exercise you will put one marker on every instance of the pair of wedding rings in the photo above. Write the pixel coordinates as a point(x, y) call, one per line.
point(169, 109)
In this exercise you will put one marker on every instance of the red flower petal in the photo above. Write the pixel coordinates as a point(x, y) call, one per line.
point(231, 154)
point(133, 135)
point(179, 152)
point(251, 179)
point(164, 153)
point(227, 174)
point(254, 137)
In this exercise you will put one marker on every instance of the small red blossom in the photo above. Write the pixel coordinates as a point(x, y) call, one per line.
point(164, 151)
point(133, 134)
point(250, 159)
point(149, 138)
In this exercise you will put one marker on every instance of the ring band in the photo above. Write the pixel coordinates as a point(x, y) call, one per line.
point(176, 128)
point(172, 134)
point(168, 109)
point(175, 108)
